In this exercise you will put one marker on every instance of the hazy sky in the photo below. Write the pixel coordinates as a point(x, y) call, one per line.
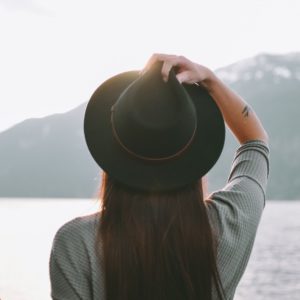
point(54, 53)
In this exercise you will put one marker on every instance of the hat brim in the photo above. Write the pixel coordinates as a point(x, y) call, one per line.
point(191, 165)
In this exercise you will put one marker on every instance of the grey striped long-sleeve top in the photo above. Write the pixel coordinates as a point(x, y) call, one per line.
point(234, 213)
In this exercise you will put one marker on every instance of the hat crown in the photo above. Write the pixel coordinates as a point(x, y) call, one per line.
point(153, 119)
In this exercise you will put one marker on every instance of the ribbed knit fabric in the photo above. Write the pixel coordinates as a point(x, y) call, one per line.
point(234, 213)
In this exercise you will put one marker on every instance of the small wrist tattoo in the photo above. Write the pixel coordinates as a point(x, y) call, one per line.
point(246, 111)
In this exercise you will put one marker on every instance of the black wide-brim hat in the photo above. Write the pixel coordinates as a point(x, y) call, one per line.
point(153, 135)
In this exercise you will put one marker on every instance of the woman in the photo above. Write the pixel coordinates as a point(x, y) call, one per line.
point(156, 134)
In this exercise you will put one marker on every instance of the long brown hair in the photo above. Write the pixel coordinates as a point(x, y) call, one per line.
point(157, 245)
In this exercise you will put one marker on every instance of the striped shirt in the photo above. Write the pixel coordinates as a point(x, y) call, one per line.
point(234, 213)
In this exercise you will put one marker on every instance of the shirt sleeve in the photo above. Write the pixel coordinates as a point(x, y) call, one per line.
point(237, 208)
point(69, 265)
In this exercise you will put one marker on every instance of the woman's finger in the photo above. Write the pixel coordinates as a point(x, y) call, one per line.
point(156, 57)
point(167, 66)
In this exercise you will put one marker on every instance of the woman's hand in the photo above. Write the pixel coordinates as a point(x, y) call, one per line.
point(186, 70)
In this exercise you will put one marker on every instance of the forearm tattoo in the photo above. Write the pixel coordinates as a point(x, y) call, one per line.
point(246, 111)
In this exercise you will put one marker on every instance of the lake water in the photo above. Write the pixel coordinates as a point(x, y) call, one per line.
point(27, 228)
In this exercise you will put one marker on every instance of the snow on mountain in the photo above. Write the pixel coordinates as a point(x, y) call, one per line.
point(278, 67)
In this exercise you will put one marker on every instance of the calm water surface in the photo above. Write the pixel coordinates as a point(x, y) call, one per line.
point(27, 228)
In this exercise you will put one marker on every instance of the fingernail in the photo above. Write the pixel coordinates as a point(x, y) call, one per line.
point(178, 80)
point(165, 79)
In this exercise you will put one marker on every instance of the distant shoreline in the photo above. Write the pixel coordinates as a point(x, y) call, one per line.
point(96, 199)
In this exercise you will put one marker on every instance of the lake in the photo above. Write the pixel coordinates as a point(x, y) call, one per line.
point(27, 228)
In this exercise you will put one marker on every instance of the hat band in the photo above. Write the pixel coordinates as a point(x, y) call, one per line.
point(178, 153)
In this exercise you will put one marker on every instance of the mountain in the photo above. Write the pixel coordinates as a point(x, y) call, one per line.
point(48, 157)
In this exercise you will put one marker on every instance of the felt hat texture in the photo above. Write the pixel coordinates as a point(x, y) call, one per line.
point(150, 134)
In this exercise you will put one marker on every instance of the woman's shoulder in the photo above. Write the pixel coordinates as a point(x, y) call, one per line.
point(79, 230)
point(85, 222)
point(73, 261)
